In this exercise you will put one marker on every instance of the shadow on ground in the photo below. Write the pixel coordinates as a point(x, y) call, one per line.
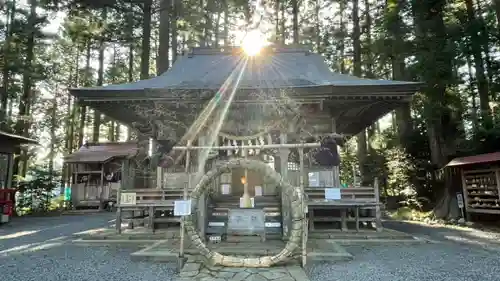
point(446, 233)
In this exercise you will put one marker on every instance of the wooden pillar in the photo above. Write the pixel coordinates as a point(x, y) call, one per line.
point(124, 184)
point(466, 193)
point(184, 197)
point(10, 170)
point(497, 174)
point(202, 203)
point(305, 229)
point(378, 212)
point(284, 157)
point(101, 193)
point(336, 169)
point(284, 174)
point(159, 177)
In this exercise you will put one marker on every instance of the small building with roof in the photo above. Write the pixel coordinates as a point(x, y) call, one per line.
point(96, 172)
point(9, 145)
point(480, 180)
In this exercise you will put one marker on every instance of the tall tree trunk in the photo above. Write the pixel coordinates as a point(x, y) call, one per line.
point(83, 108)
point(208, 23)
point(473, 109)
point(295, 26)
point(146, 39)
point(317, 27)
point(216, 29)
point(23, 125)
point(226, 23)
point(342, 40)
point(403, 113)
point(53, 136)
point(163, 56)
point(475, 46)
point(497, 11)
point(282, 23)
point(368, 53)
point(277, 20)
point(176, 7)
point(111, 132)
point(356, 42)
point(11, 14)
point(100, 79)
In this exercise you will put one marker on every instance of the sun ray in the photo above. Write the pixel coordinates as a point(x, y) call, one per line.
point(253, 42)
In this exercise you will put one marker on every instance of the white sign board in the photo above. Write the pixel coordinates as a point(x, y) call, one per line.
point(242, 203)
point(313, 178)
point(128, 198)
point(332, 193)
point(258, 190)
point(226, 189)
point(460, 200)
point(182, 207)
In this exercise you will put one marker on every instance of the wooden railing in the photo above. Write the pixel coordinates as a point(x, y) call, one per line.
point(147, 201)
point(351, 198)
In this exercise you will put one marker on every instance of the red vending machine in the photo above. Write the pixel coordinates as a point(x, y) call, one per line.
point(7, 197)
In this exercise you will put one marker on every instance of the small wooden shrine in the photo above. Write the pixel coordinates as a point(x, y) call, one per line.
point(480, 180)
point(239, 135)
point(10, 145)
point(96, 172)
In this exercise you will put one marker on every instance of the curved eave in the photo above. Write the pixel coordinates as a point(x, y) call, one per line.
point(342, 91)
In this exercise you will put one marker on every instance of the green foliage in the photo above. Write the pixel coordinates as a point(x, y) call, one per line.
point(36, 192)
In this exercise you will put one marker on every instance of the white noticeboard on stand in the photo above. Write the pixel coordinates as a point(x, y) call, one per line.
point(332, 194)
point(258, 190)
point(182, 207)
point(226, 189)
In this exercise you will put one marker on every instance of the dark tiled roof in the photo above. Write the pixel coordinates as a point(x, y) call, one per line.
point(476, 159)
point(17, 138)
point(101, 152)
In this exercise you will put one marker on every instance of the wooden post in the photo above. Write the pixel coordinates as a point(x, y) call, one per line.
point(497, 174)
point(101, 194)
point(159, 177)
point(202, 201)
point(10, 170)
point(123, 183)
point(304, 208)
point(284, 174)
point(336, 170)
point(466, 193)
point(184, 197)
point(378, 213)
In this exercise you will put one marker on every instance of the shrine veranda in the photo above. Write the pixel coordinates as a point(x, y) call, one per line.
point(245, 149)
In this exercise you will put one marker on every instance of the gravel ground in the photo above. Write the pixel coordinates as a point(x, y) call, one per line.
point(444, 260)
point(40, 249)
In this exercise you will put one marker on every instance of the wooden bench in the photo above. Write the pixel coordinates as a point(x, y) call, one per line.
point(352, 198)
point(148, 201)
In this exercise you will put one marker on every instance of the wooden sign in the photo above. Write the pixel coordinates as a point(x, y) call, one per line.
point(128, 198)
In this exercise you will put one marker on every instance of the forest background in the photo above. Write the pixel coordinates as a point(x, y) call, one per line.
point(49, 46)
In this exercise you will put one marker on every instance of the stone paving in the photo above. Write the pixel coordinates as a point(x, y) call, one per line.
point(196, 269)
